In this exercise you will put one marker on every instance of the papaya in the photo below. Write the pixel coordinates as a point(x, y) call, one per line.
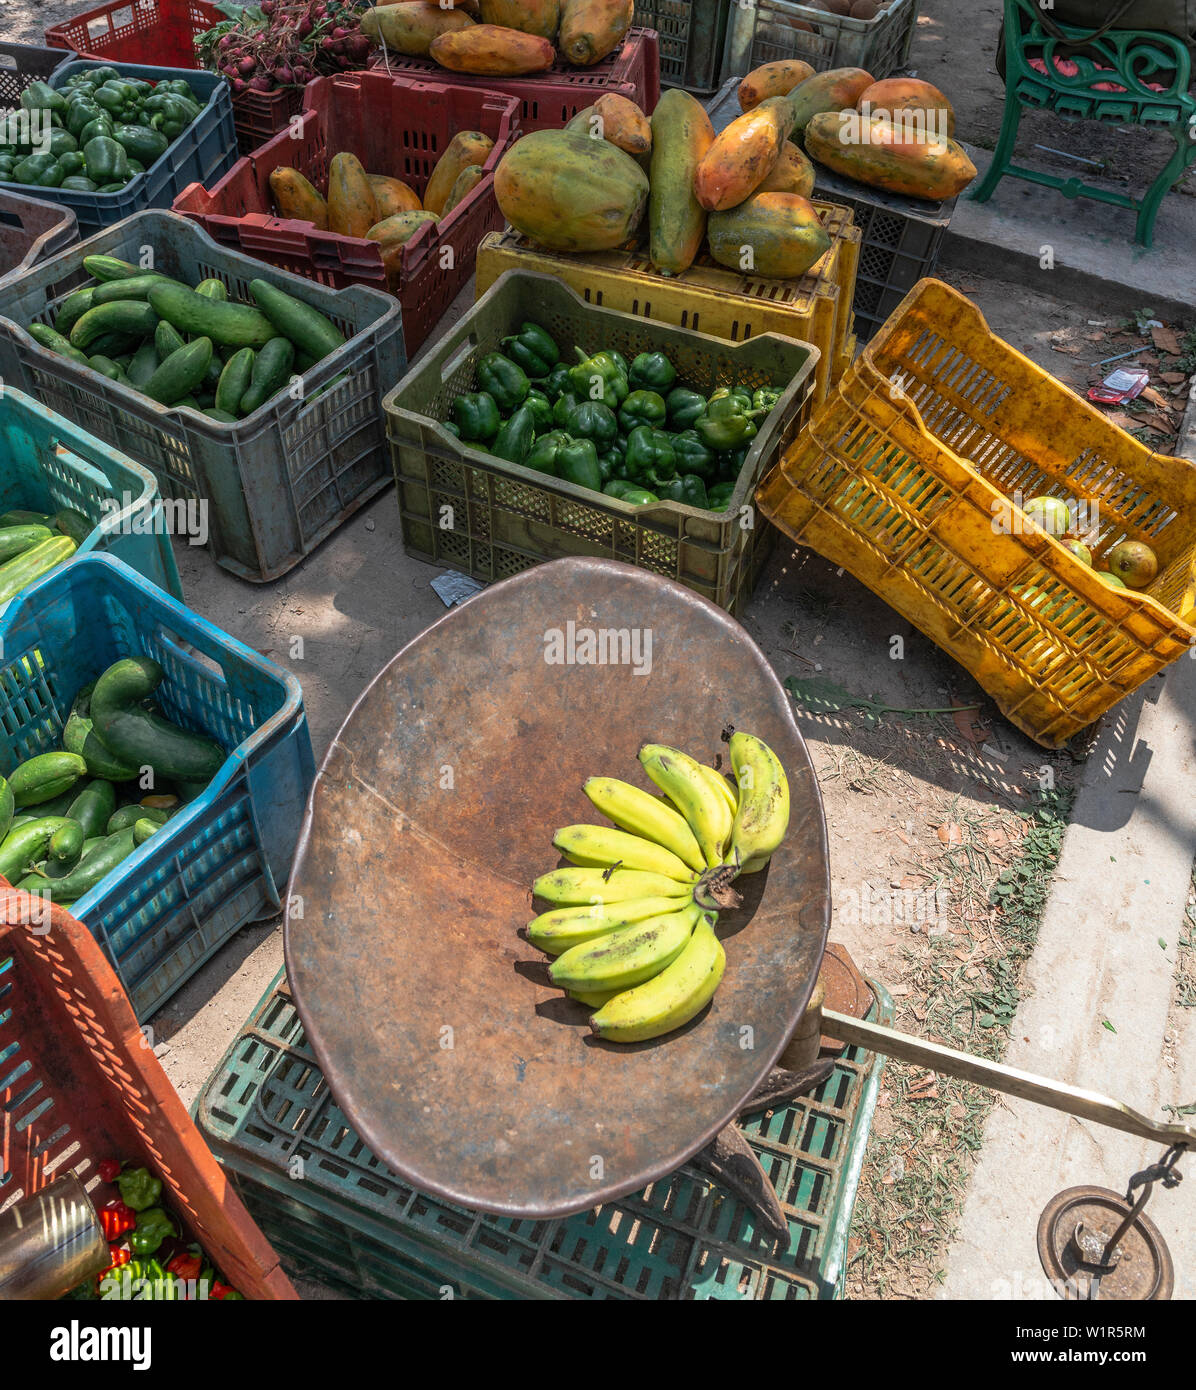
point(743, 155)
point(540, 17)
point(792, 173)
point(835, 90)
point(393, 195)
point(681, 136)
point(465, 148)
point(398, 229)
point(351, 207)
point(590, 29)
point(874, 152)
point(297, 199)
point(896, 94)
point(467, 180)
point(624, 124)
point(490, 51)
point(781, 230)
point(410, 27)
point(571, 193)
point(772, 80)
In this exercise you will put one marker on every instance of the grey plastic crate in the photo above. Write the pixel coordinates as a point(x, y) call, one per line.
point(765, 32)
point(278, 482)
point(692, 35)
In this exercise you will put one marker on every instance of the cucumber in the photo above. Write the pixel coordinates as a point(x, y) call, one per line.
point(107, 268)
point(53, 341)
point(95, 865)
point(306, 327)
point(213, 289)
point(107, 367)
point(114, 345)
point(80, 737)
point(127, 816)
point(187, 403)
point(7, 807)
point(222, 417)
point(72, 523)
point(15, 540)
point(136, 734)
point(56, 806)
point(271, 372)
point(230, 325)
point(145, 361)
point(144, 828)
point(234, 381)
point(44, 777)
point(17, 517)
point(131, 318)
point(94, 805)
point(66, 844)
point(167, 340)
point(135, 287)
point(212, 379)
point(40, 559)
point(180, 373)
point(72, 309)
point(22, 847)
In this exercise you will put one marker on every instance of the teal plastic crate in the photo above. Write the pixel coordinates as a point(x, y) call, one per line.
point(337, 1214)
point(47, 463)
point(224, 859)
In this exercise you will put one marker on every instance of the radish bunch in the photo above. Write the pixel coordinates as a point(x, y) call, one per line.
point(284, 43)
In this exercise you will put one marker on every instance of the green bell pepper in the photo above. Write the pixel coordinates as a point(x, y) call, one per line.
point(533, 350)
point(651, 371)
point(141, 143)
point(585, 419)
point(731, 465)
point(540, 406)
point(41, 170)
point(505, 380)
point(40, 96)
point(642, 408)
point(476, 415)
point(175, 86)
point(514, 440)
point(727, 424)
point(139, 1188)
point(688, 489)
point(102, 125)
point(542, 455)
point(71, 163)
point(79, 113)
point(453, 428)
point(556, 383)
point(112, 97)
point(766, 397)
point(684, 407)
point(63, 142)
point(577, 462)
point(600, 378)
point(693, 456)
point(650, 458)
point(153, 1227)
point(99, 75)
point(628, 492)
point(107, 161)
point(613, 458)
point(719, 495)
point(740, 396)
point(78, 183)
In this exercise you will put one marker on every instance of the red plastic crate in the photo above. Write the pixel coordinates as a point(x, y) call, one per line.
point(161, 33)
point(551, 99)
point(79, 1084)
point(395, 126)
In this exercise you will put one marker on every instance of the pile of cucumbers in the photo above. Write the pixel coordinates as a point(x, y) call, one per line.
point(34, 543)
point(69, 817)
point(184, 347)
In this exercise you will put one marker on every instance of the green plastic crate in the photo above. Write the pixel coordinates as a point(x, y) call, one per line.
point(335, 1213)
point(468, 510)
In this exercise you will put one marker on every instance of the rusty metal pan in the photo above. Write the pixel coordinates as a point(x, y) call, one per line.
point(433, 1020)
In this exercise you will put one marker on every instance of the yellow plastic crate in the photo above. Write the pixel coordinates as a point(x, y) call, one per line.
point(905, 475)
point(708, 298)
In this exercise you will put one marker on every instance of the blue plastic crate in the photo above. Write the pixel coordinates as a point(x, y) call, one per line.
point(224, 859)
point(204, 152)
point(47, 463)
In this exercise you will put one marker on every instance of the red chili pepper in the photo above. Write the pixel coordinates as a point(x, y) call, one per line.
point(121, 1255)
point(185, 1266)
point(109, 1169)
point(219, 1290)
point(116, 1219)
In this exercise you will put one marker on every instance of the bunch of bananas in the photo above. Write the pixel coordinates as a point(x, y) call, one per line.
point(632, 925)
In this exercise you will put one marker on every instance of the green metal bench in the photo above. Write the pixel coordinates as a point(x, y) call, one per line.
point(1129, 59)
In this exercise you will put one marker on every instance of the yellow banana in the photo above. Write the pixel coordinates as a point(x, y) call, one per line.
point(594, 998)
point(582, 887)
point(671, 998)
point(716, 779)
point(763, 813)
point(596, 845)
point(626, 957)
point(556, 931)
point(698, 801)
point(641, 814)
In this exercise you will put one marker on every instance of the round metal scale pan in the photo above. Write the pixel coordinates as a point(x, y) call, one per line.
point(432, 1018)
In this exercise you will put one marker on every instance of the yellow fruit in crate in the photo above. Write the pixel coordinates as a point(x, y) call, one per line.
point(1110, 579)
point(1080, 551)
point(1134, 563)
point(1049, 513)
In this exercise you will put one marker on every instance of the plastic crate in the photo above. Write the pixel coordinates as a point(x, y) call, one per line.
point(164, 31)
point(903, 477)
point(31, 230)
point(709, 298)
point(550, 100)
point(351, 1222)
point(46, 463)
point(692, 35)
point(78, 1085)
point(275, 484)
point(224, 859)
point(22, 64)
point(395, 126)
point(765, 32)
point(503, 518)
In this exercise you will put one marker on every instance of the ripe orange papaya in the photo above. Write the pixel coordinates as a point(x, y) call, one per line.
point(778, 235)
point(743, 155)
point(569, 192)
point(296, 198)
point(590, 29)
point(351, 207)
point(467, 180)
point(490, 51)
point(393, 195)
point(827, 91)
point(624, 124)
point(410, 27)
point(895, 94)
point(792, 173)
point(541, 17)
point(465, 148)
point(772, 80)
point(681, 136)
point(392, 234)
point(874, 152)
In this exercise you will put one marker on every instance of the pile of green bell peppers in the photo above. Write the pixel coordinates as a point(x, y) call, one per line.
point(631, 430)
point(97, 132)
